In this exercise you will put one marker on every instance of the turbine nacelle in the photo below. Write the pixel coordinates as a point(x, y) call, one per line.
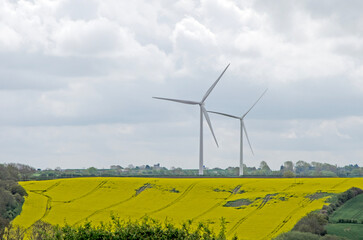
point(242, 128)
point(203, 112)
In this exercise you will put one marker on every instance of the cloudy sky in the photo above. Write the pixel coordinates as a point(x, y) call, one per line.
point(77, 79)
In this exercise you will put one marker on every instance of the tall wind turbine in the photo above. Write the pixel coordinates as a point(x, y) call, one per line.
point(243, 128)
point(203, 111)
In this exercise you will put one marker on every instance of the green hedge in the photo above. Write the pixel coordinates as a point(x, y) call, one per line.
point(146, 228)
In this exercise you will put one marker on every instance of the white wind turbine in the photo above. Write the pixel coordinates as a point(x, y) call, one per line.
point(243, 127)
point(203, 111)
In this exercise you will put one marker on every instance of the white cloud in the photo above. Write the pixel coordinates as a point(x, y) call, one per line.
point(193, 43)
point(98, 37)
point(9, 39)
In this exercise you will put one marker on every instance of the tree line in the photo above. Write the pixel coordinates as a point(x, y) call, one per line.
point(287, 169)
point(11, 193)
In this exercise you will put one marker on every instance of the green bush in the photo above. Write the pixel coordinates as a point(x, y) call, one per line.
point(313, 223)
point(295, 235)
point(288, 174)
point(348, 221)
point(145, 228)
point(332, 237)
point(11, 196)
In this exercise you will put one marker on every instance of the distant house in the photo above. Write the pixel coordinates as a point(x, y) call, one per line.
point(157, 166)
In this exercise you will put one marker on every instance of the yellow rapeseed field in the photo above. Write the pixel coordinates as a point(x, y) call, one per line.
point(264, 207)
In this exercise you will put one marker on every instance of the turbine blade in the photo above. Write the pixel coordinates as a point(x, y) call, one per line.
point(224, 114)
point(178, 100)
point(248, 140)
point(214, 84)
point(255, 103)
point(209, 123)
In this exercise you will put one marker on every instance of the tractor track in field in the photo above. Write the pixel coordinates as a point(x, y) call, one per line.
point(304, 203)
point(137, 193)
point(53, 186)
point(359, 213)
point(235, 191)
point(45, 190)
point(100, 185)
point(103, 209)
point(48, 205)
point(292, 185)
point(237, 224)
point(183, 195)
point(340, 183)
point(265, 200)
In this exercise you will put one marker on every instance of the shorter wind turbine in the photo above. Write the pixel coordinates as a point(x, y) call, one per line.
point(204, 112)
point(243, 128)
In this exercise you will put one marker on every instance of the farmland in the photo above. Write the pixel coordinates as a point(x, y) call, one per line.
point(350, 231)
point(253, 208)
point(352, 210)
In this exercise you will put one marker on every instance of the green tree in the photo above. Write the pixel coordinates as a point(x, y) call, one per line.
point(313, 223)
point(289, 166)
point(288, 174)
point(92, 171)
point(302, 167)
point(264, 166)
point(294, 235)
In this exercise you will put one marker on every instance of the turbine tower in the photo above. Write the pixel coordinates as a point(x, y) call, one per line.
point(243, 128)
point(204, 112)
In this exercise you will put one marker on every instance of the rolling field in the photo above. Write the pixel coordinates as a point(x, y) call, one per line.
point(352, 210)
point(253, 208)
point(350, 231)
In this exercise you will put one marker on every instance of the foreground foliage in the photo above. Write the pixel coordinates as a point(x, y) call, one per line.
point(146, 228)
point(296, 235)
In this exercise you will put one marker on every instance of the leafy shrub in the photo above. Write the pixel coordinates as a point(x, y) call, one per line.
point(332, 237)
point(11, 196)
point(347, 221)
point(295, 235)
point(313, 223)
point(146, 228)
point(340, 199)
point(288, 174)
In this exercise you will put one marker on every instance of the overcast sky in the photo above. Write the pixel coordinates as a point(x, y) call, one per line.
point(77, 79)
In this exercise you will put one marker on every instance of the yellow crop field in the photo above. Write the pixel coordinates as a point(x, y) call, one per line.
point(254, 208)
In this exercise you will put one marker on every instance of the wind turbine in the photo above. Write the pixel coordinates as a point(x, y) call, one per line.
point(204, 112)
point(243, 128)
